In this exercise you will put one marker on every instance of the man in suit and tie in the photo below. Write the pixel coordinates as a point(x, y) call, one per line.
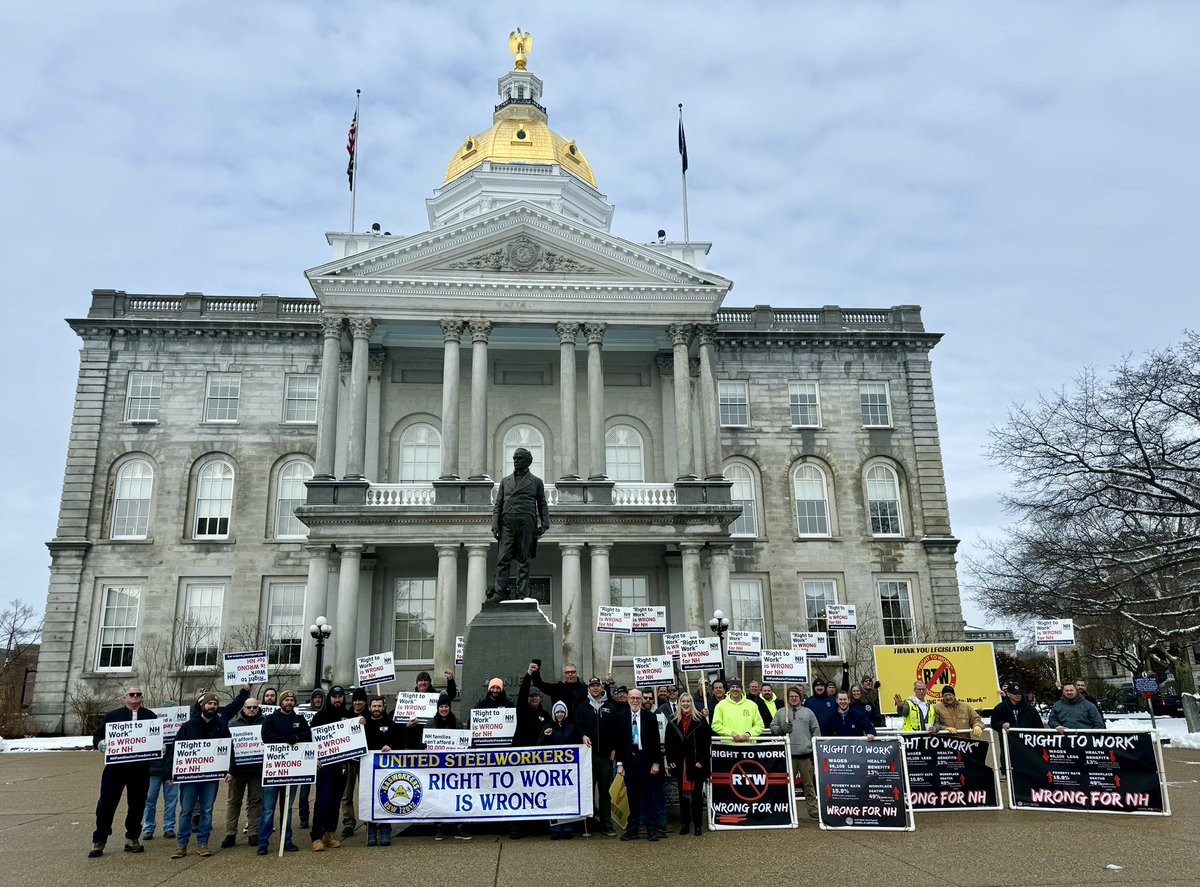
point(639, 760)
point(519, 517)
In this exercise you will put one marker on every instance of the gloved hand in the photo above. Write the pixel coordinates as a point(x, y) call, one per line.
point(977, 731)
point(787, 726)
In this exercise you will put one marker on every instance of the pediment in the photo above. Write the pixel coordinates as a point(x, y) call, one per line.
point(519, 243)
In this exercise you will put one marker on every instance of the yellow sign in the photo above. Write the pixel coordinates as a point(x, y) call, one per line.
point(969, 668)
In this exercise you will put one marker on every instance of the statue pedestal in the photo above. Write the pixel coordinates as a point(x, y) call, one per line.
point(500, 643)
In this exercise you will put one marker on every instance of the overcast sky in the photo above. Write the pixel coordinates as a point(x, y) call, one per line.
point(1028, 173)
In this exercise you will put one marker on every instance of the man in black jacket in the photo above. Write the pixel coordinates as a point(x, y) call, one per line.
point(287, 726)
point(199, 796)
point(639, 760)
point(1013, 710)
point(570, 690)
point(532, 719)
point(132, 778)
point(331, 778)
point(246, 783)
point(597, 720)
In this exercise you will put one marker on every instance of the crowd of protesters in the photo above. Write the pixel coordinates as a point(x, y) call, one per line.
point(648, 737)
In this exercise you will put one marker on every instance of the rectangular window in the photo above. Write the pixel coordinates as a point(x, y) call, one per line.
point(818, 595)
point(285, 623)
point(876, 408)
point(118, 627)
point(221, 400)
point(142, 397)
point(734, 404)
point(805, 401)
point(895, 606)
point(630, 591)
point(747, 606)
point(414, 619)
point(300, 398)
point(200, 631)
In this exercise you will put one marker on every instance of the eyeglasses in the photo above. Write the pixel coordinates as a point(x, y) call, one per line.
point(251, 707)
point(133, 695)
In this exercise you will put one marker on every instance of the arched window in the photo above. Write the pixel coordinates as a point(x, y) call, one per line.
point(420, 454)
point(812, 500)
point(531, 439)
point(743, 494)
point(131, 501)
point(214, 500)
point(883, 501)
point(623, 454)
point(290, 493)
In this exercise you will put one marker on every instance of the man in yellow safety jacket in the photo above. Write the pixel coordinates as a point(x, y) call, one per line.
point(917, 711)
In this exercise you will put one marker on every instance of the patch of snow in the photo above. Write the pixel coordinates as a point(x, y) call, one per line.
point(47, 743)
point(1114, 868)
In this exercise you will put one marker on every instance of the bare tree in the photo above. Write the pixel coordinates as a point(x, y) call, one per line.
point(1107, 496)
point(20, 631)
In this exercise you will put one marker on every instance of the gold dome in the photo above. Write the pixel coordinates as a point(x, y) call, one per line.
point(520, 140)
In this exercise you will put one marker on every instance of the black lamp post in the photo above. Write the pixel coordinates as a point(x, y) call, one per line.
point(320, 631)
point(720, 624)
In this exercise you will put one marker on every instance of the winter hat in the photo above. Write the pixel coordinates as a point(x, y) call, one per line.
point(424, 676)
point(534, 691)
point(559, 706)
point(208, 697)
point(1015, 689)
point(359, 694)
point(287, 694)
point(443, 699)
point(495, 684)
point(948, 690)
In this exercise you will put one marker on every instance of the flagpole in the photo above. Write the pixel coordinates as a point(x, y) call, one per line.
point(683, 157)
point(354, 159)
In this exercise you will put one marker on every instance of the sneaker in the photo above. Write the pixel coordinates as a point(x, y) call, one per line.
point(261, 851)
point(203, 852)
point(97, 850)
point(629, 836)
point(330, 841)
point(230, 840)
point(132, 846)
point(437, 833)
point(348, 831)
point(318, 846)
point(461, 834)
point(179, 853)
point(289, 847)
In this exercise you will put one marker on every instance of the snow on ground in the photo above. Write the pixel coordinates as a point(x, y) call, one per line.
point(46, 743)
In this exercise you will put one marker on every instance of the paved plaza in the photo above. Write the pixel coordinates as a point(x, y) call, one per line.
point(47, 804)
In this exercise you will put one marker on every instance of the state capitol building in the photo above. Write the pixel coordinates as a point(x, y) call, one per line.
point(239, 466)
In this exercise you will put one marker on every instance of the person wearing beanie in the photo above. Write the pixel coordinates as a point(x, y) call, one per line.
point(316, 701)
point(424, 684)
point(822, 703)
point(199, 796)
point(495, 697)
point(285, 725)
point(957, 717)
point(561, 731)
point(358, 708)
point(737, 717)
point(331, 778)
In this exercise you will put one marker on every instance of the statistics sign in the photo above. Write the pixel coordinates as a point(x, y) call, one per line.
point(551, 782)
point(1086, 771)
point(173, 717)
point(861, 784)
point(950, 773)
point(751, 785)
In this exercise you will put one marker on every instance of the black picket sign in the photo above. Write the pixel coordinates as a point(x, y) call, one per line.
point(861, 784)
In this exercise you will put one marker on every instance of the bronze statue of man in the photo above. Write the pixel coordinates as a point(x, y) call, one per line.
point(519, 518)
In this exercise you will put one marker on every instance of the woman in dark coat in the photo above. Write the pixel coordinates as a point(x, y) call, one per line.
point(689, 739)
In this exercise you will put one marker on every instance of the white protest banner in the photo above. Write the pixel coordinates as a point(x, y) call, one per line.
point(813, 644)
point(614, 620)
point(1054, 632)
point(842, 617)
point(285, 764)
point(458, 650)
point(173, 717)
point(268, 710)
point(671, 642)
point(493, 726)
point(488, 785)
point(421, 706)
point(201, 760)
point(744, 644)
point(126, 741)
point(653, 671)
point(649, 620)
point(700, 654)
point(447, 740)
point(377, 668)
point(247, 744)
point(339, 741)
point(245, 668)
point(785, 665)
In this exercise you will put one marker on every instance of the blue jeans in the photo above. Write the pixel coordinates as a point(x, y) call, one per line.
point(170, 796)
point(266, 823)
point(191, 793)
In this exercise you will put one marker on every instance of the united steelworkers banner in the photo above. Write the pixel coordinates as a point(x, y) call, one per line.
point(751, 785)
point(861, 783)
point(950, 773)
point(969, 668)
point(1086, 771)
point(550, 782)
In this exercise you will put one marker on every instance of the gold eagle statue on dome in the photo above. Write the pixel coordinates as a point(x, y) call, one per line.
point(519, 44)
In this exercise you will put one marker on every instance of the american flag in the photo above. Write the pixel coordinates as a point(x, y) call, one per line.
point(350, 149)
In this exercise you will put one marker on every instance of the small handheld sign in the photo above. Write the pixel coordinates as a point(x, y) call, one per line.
point(842, 617)
point(378, 668)
point(653, 671)
point(744, 644)
point(245, 668)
